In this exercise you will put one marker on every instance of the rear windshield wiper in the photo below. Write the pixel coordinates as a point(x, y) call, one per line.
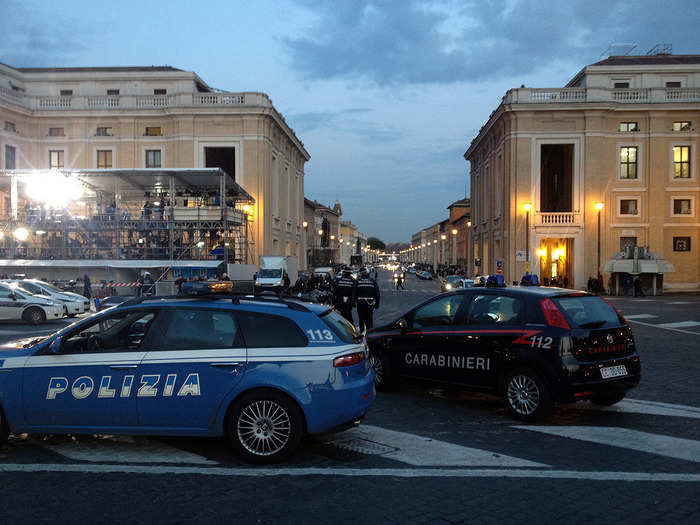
point(592, 324)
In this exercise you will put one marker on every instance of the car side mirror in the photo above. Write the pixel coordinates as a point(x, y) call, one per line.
point(55, 346)
point(402, 324)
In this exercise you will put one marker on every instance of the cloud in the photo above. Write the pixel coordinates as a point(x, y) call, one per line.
point(345, 121)
point(32, 38)
point(397, 42)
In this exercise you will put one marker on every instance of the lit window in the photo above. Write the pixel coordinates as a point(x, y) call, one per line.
point(629, 126)
point(56, 159)
point(628, 162)
point(682, 125)
point(104, 158)
point(104, 132)
point(629, 207)
point(57, 132)
point(153, 131)
point(153, 158)
point(681, 162)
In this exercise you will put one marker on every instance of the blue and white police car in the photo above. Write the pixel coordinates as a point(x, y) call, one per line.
point(262, 371)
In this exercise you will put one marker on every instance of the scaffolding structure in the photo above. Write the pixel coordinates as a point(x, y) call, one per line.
point(125, 214)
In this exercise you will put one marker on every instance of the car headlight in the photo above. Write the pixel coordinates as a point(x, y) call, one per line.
point(448, 287)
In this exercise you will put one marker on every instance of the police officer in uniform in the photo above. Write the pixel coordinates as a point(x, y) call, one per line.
point(367, 299)
point(344, 293)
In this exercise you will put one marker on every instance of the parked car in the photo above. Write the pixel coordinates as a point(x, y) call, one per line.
point(73, 303)
point(261, 371)
point(19, 305)
point(113, 300)
point(531, 345)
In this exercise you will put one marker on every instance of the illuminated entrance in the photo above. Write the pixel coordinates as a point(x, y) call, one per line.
point(557, 260)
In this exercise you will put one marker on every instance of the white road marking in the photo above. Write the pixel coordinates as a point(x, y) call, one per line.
point(679, 324)
point(421, 451)
point(138, 451)
point(639, 406)
point(350, 472)
point(640, 316)
point(667, 446)
point(680, 302)
point(664, 327)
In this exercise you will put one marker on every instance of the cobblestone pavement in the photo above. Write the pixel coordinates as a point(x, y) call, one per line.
point(424, 454)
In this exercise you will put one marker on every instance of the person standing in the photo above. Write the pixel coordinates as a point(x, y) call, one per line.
point(87, 287)
point(399, 281)
point(344, 293)
point(285, 282)
point(637, 284)
point(367, 300)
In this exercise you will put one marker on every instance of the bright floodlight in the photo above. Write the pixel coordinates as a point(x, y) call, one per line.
point(54, 189)
point(21, 234)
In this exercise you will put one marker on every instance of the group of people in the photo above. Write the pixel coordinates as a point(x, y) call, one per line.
point(362, 294)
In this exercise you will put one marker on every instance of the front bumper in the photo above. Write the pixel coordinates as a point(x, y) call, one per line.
point(74, 308)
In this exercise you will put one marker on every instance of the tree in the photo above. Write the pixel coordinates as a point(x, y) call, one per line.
point(376, 244)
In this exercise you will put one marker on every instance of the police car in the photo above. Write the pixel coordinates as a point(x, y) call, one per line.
point(262, 371)
point(532, 345)
point(73, 303)
point(19, 305)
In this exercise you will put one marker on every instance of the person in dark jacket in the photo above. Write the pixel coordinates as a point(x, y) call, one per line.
point(87, 287)
point(344, 294)
point(367, 299)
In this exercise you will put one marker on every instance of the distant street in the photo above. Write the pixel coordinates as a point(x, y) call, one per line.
point(422, 455)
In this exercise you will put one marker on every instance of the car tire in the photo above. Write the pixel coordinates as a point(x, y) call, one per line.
point(34, 315)
point(265, 427)
point(609, 399)
point(527, 396)
point(383, 375)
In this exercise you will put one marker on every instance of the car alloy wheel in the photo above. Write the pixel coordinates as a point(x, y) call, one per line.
point(35, 316)
point(527, 396)
point(264, 428)
point(523, 395)
point(376, 363)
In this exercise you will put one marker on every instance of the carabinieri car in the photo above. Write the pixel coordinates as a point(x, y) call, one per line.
point(262, 371)
point(529, 344)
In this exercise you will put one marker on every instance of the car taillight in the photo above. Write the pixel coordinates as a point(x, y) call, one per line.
point(553, 315)
point(349, 359)
point(622, 317)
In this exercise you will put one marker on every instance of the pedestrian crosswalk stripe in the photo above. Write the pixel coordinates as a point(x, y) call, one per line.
point(640, 316)
point(665, 327)
point(422, 451)
point(667, 446)
point(680, 302)
point(172, 470)
point(680, 324)
point(639, 406)
point(120, 451)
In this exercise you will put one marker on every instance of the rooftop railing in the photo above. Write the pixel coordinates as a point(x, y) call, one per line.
point(125, 102)
point(588, 95)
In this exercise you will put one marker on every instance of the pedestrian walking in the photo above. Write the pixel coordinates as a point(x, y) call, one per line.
point(399, 281)
point(87, 287)
point(367, 300)
point(637, 284)
point(344, 294)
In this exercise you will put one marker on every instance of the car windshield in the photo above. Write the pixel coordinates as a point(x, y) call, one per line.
point(269, 273)
point(588, 311)
point(453, 279)
point(48, 286)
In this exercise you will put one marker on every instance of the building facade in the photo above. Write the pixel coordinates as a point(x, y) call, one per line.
point(619, 145)
point(322, 232)
point(158, 117)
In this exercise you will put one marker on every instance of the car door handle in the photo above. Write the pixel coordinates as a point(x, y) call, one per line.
point(123, 367)
point(227, 365)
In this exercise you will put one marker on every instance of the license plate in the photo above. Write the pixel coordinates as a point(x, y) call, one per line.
point(613, 371)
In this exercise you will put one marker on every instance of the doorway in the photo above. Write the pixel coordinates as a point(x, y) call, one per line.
point(557, 261)
point(224, 158)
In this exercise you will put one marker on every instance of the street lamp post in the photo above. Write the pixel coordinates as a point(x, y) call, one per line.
point(598, 207)
point(527, 207)
point(454, 246)
point(443, 237)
